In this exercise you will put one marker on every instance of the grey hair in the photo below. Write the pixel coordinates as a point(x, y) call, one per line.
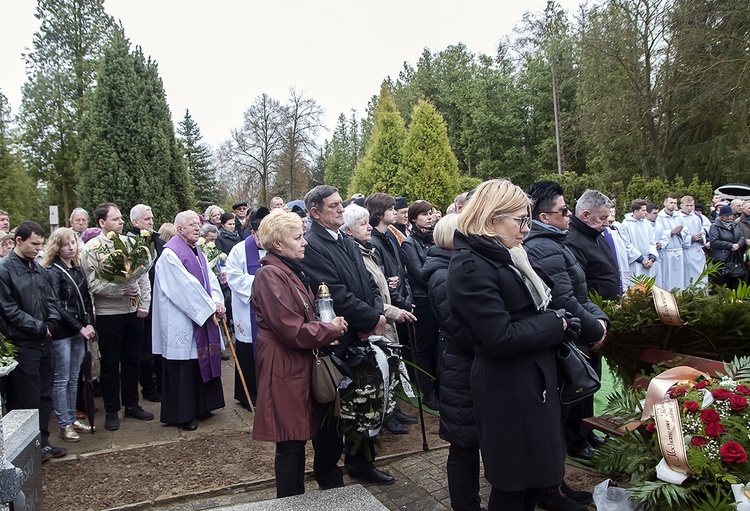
point(210, 210)
point(183, 217)
point(137, 211)
point(352, 213)
point(207, 228)
point(592, 200)
point(315, 197)
point(77, 211)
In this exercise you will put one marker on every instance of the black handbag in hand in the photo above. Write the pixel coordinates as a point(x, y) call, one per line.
point(577, 378)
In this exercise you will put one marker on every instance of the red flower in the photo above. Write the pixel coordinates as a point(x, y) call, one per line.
point(721, 394)
point(737, 403)
point(675, 392)
point(702, 384)
point(715, 430)
point(650, 427)
point(742, 389)
point(709, 416)
point(732, 452)
point(699, 441)
point(691, 406)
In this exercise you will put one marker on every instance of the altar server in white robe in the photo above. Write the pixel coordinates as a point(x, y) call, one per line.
point(668, 230)
point(693, 243)
point(639, 232)
point(241, 266)
point(187, 300)
point(625, 252)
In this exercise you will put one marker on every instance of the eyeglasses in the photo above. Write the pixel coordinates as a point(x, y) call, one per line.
point(563, 211)
point(523, 221)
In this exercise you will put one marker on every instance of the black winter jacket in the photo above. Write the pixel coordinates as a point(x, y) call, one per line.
point(548, 251)
point(28, 305)
point(227, 240)
point(722, 240)
point(595, 257)
point(457, 423)
point(413, 255)
point(387, 252)
point(74, 314)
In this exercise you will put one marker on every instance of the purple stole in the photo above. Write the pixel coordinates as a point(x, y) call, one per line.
point(207, 340)
point(252, 256)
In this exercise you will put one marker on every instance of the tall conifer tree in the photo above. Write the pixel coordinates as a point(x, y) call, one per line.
point(197, 157)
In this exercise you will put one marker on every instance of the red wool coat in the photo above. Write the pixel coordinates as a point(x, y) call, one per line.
point(285, 408)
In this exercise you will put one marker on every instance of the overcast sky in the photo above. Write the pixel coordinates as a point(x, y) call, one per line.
point(215, 57)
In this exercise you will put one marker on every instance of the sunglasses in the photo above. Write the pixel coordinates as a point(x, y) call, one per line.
point(563, 211)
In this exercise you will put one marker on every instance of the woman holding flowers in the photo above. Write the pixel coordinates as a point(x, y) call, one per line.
point(502, 303)
point(287, 334)
point(68, 280)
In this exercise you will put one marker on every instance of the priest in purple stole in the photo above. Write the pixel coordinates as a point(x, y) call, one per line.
point(187, 299)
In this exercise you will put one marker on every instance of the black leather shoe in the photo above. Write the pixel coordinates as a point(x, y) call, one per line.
point(405, 419)
point(394, 426)
point(139, 413)
point(585, 454)
point(224, 356)
point(582, 497)
point(152, 396)
point(52, 452)
point(112, 421)
point(370, 474)
point(595, 441)
point(190, 425)
point(552, 499)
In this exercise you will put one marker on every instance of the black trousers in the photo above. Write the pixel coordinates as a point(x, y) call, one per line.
point(289, 468)
point(328, 444)
point(463, 478)
point(120, 341)
point(29, 385)
point(247, 364)
point(428, 354)
point(149, 364)
point(523, 500)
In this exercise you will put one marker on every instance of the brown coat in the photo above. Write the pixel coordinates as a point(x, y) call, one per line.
point(285, 409)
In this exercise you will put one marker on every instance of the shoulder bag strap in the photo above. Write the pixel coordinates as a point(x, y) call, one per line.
point(75, 286)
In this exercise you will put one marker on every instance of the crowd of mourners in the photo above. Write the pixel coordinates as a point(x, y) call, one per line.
point(477, 299)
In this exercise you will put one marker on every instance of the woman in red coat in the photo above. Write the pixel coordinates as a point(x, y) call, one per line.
point(287, 333)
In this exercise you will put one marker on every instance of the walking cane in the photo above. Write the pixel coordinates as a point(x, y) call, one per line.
point(236, 363)
point(412, 346)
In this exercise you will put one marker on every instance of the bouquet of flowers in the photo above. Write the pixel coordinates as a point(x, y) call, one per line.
point(214, 256)
point(715, 422)
point(125, 261)
point(7, 356)
point(367, 393)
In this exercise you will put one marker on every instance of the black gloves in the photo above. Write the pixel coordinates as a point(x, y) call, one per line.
point(574, 327)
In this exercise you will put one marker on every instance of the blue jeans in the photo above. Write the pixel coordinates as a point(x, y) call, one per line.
point(68, 354)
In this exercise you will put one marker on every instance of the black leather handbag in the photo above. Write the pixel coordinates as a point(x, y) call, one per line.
point(577, 378)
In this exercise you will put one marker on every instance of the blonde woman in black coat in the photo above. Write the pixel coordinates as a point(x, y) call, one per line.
point(502, 303)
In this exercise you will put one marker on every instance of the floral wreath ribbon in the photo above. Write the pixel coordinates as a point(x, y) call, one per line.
point(666, 415)
point(666, 307)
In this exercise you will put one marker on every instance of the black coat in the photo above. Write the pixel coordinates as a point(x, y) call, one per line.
point(74, 314)
point(387, 251)
point(227, 240)
point(514, 375)
point(28, 305)
point(457, 423)
point(595, 257)
point(413, 255)
point(722, 239)
point(355, 294)
point(548, 251)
